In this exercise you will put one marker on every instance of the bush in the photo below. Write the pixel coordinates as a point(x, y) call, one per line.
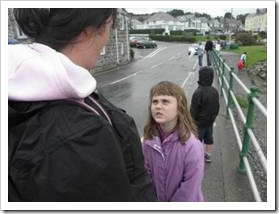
point(176, 32)
point(172, 38)
point(147, 31)
point(222, 37)
point(245, 39)
point(263, 34)
point(233, 46)
point(242, 102)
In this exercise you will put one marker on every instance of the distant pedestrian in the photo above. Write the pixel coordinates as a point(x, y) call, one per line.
point(240, 65)
point(200, 53)
point(218, 46)
point(204, 109)
point(243, 58)
point(172, 152)
point(242, 61)
point(208, 48)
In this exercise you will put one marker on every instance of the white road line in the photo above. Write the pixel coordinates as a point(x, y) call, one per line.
point(195, 65)
point(186, 79)
point(171, 58)
point(154, 66)
point(155, 52)
point(127, 77)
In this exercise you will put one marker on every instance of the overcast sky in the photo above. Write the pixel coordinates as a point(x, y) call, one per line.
point(213, 8)
point(213, 12)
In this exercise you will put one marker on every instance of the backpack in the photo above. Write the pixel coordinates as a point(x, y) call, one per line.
point(130, 143)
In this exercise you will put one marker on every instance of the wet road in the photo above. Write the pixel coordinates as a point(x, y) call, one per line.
point(128, 87)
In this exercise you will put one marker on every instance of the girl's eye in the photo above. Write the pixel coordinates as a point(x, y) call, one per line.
point(154, 102)
point(165, 101)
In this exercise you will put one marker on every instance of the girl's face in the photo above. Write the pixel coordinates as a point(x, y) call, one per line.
point(164, 111)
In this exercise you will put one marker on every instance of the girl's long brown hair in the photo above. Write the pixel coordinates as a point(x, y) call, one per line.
point(185, 125)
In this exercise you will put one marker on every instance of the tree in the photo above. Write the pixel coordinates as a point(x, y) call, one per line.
point(245, 38)
point(228, 24)
point(228, 15)
point(176, 13)
point(202, 15)
point(242, 18)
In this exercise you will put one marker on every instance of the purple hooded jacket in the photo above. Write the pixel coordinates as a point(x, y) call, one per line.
point(176, 170)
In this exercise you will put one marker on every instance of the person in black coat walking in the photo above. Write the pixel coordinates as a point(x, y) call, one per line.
point(208, 47)
point(204, 108)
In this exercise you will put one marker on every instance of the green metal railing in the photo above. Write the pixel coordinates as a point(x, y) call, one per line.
point(227, 78)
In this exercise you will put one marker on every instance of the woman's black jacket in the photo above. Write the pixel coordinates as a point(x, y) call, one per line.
point(61, 151)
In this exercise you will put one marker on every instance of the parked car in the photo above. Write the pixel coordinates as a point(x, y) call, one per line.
point(133, 41)
point(146, 44)
point(193, 49)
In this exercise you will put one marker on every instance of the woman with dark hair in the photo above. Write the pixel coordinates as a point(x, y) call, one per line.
point(65, 140)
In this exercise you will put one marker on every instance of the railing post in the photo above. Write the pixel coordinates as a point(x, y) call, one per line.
point(219, 60)
point(222, 76)
point(230, 101)
point(212, 57)
point(249, 123)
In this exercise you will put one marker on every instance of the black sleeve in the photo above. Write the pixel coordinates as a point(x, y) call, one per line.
point(77, 158)
point(195, 105)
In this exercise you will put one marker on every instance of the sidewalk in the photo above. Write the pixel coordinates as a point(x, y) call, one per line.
point(222, 182)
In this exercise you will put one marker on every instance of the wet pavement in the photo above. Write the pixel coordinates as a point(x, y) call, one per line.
point(222, 182)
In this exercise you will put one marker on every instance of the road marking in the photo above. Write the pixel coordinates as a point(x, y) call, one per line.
point(127, 77)
point(154, 66)
point(171, 58)
point(195, 65)
point(186, 79)
point(155, 52)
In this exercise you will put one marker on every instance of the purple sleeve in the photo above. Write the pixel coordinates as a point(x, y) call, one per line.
point(190, 188)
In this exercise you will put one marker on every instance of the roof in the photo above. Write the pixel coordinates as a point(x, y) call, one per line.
point(161, 16)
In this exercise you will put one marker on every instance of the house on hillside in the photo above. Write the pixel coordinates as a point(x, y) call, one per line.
point(115, 53)
point(162, 20)
point(190, 22)
point(232, 25)
point(216, 26)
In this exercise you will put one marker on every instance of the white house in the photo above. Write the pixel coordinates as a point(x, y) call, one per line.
point(190, 22)
point(256, 22)
point(136, 24)
point(163, 20)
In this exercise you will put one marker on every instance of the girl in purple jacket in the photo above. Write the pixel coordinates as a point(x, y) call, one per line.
point(174, 157)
